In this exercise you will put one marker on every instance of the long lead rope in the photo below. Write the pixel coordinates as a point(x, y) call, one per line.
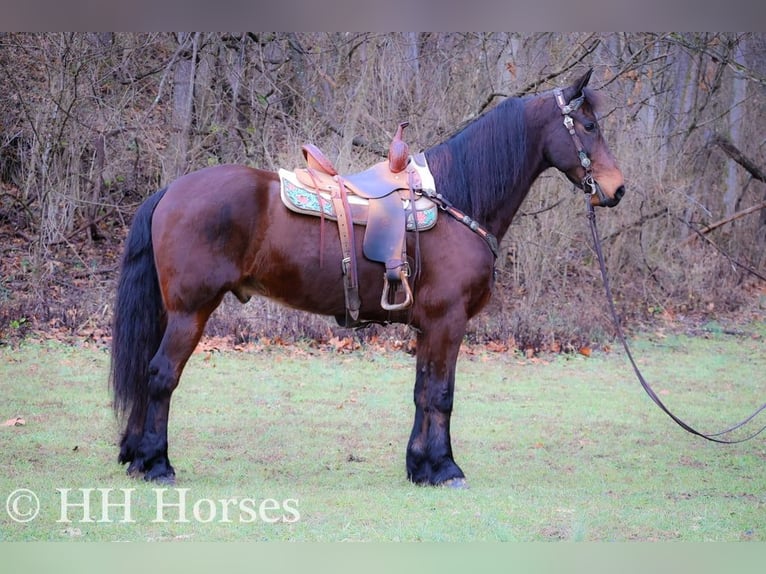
point(714, 437)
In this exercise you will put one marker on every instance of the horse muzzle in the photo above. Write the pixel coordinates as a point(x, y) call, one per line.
point(599, 199)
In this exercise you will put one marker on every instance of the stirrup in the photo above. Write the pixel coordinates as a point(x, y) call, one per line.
point(407, 294)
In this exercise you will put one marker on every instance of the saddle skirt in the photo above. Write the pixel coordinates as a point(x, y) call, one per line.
point(301, 197)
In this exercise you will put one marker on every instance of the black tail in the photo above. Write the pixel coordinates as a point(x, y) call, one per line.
point(137, 326)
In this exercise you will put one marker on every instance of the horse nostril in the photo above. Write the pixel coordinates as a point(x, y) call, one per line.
point(619, 193)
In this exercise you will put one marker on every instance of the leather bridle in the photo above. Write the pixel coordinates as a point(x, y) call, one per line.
point(589, 184)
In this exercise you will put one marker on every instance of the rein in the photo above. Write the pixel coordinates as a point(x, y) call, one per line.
point(713, 437)
point(591, 187)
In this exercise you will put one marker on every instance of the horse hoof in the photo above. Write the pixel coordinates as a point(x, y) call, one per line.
point(134, 471)
point(167, 480)
point(455, 483)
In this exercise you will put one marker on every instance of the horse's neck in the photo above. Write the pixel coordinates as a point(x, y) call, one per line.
point(535, 164)
point(500, 221)
point(453, 170)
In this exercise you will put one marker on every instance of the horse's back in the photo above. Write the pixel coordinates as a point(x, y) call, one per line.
point(209, 205)
point(218, 184)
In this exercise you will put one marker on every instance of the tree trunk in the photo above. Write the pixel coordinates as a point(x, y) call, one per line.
point(736, 115)
point(183, 106)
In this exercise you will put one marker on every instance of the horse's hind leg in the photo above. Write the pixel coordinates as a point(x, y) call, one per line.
point(181, 336)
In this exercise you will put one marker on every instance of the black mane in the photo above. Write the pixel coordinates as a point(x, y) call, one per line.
point(477, 166)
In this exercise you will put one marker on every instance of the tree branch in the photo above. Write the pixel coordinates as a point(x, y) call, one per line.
point(572, 60)
point(725, 220)
point(731, 150)
point(733, 261)
point(638, 223)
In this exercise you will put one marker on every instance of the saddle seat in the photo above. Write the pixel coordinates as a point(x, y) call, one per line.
point(375, 182)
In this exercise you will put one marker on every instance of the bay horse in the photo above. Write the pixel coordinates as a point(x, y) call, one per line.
point(224, 229)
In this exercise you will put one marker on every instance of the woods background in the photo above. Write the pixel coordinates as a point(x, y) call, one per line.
point(91, 124)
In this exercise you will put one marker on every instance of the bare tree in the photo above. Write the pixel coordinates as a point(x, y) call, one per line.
point(184, 75)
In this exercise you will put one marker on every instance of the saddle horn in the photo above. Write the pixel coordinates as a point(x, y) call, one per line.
point(398, 150)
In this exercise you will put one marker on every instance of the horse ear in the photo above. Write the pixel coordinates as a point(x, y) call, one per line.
point(582, 82)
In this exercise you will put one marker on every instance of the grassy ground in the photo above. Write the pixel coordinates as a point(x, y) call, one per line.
point(292, 443)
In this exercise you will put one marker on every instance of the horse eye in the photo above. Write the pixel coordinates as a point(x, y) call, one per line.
point(590, 126)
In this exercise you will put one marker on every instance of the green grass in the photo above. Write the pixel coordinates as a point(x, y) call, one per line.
point(565, 448)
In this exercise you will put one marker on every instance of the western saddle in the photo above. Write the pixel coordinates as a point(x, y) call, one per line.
point(388, 192)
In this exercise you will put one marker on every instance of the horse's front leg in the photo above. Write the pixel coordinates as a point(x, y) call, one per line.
point(429, 452)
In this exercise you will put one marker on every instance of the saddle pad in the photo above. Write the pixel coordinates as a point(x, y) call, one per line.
point(297, 198)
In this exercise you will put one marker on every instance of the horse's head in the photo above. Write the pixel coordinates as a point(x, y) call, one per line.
point(575, 145)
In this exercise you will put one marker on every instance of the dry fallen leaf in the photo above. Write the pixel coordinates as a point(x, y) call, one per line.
point(496, 347)
point(15, 422)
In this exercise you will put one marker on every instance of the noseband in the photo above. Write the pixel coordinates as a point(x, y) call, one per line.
point(589, 185)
